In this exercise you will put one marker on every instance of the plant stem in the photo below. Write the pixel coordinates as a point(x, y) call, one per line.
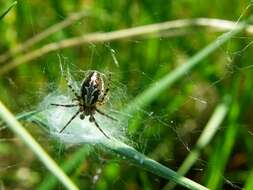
point(68, 166)
point(150, 165)
point(19, 130)
point(43, 35)
point(153, 29)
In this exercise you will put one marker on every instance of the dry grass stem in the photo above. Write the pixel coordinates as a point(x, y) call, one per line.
point(158, 29)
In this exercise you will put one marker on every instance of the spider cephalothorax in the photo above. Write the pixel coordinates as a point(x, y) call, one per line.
point(92, 94)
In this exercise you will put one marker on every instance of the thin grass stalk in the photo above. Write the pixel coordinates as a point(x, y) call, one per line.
point(49, 163)
point(43, 35)
point(227, 142)
point(214, 174)
point(249, 85)
point(206, 136)
point(157, 29)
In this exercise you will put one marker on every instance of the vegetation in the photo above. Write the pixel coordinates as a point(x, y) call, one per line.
point(181, 85)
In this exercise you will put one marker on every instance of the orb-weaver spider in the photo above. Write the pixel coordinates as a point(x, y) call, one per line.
point(92, 94)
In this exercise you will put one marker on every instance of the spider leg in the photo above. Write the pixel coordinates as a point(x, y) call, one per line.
point(106, 90)
point(64, 105)
point(106, 115)
point(92, 119)
point(71, 119)
point(73, 91)
point(76, 99)
point(71, 87)
point(104, 95)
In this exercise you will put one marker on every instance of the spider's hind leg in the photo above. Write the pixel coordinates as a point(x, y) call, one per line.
point(71, 119)
point(92, 119)
point(106, 115)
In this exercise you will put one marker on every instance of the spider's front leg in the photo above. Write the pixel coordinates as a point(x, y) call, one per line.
point(64, 105)
point(77, 97)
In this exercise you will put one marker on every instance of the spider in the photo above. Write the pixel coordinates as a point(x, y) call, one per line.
point(92, 94)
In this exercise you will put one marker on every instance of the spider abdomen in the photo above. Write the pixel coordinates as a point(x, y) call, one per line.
point(92, 88)
point(91, 96)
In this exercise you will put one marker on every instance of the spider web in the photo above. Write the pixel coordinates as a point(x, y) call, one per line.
point(57, 116)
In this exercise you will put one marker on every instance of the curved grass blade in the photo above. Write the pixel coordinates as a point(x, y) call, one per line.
point(6, 12)
point(19, 130)
point(150, 165)
point(138, 159)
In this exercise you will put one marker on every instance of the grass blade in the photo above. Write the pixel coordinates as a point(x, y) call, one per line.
point(19, 130)
point(211, 128)
point(138, 159)
point(164, 83)
point(50, 182)
point(150, 165)
point(249, 182)
point(223, 148)
point(114, 35)
point(6, 12)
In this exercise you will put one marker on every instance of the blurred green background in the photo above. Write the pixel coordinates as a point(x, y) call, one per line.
point(165, 130)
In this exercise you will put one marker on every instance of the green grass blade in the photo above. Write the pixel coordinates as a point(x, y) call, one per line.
point(138, 159)
point(224, 146)
point(50, 182)
point(19, 130)
point(211, 128)
point(219, 159)
point(6, 12)
point(221, 155)
point(148, 164)
point(248, 139)
point(164, 83)
point(249, 182)
point(26, 115)
point(68, 166)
